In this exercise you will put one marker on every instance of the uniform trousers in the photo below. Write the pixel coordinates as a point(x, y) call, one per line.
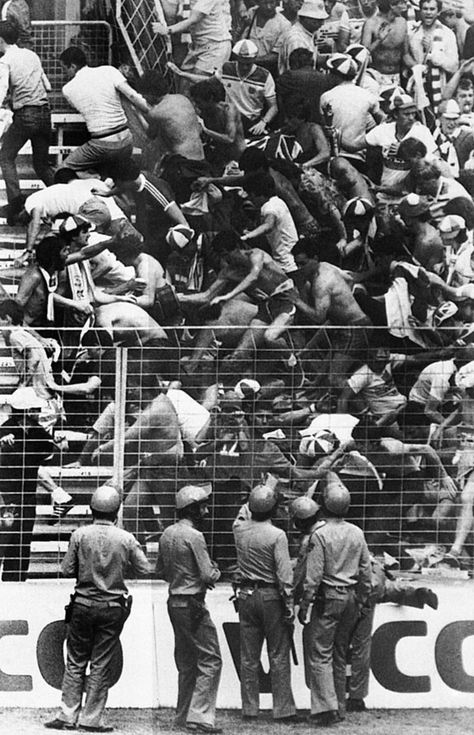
point(93, 635)
point(198, 660)
point(326, 642)
point(261, 617)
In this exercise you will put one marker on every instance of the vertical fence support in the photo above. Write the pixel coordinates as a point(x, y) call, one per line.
point(120, 397)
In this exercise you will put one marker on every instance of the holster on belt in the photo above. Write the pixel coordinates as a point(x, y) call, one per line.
point(127, 607)
point(320, 601)
point(68, 608)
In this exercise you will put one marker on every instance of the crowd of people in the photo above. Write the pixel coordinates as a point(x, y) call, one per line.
point(289, 261)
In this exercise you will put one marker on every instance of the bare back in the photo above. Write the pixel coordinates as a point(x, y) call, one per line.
point(174, 122)
point(333, 299)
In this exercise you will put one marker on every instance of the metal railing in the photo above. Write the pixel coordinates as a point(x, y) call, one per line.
point(190, 409)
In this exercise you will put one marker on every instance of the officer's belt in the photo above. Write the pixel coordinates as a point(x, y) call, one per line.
point(258, 584)
point(343, 589)
point(95, 603)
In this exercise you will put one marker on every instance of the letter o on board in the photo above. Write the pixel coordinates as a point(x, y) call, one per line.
point(50, 655)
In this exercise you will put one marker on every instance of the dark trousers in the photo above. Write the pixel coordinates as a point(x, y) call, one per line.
point(93, 635)
point(15, 542)
point(198, 660)
point(32, 122)
point(261, 618)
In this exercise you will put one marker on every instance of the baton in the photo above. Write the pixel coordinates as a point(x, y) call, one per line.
point(294, 655)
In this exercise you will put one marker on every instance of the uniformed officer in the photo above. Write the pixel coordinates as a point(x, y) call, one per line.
point(99, 556)
point(266, 609)
point(184, 562)
point(305, 514)
point(338, 582)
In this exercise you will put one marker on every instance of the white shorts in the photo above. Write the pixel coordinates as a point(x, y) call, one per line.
point(207, 58)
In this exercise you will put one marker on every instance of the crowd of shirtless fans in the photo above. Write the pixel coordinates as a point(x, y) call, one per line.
point(281, 235)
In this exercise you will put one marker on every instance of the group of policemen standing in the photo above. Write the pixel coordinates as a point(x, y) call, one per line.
point(331, 585)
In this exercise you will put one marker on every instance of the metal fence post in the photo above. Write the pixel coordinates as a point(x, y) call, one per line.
point(120, 397)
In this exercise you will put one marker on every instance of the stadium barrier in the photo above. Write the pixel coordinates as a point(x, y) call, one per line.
point(420, 659)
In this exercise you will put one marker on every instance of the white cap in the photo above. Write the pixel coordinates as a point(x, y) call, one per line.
point(449, 109)
point(339, 424)
point(452, 224)
point(245, 49)
point(24, 398)
point(465, 376)
point(246, 387)
point(179, 236)
point(313, 9)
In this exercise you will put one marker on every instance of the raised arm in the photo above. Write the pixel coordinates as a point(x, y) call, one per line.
point(133, 97)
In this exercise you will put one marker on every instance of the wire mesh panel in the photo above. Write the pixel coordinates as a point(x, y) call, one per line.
point(146, 48)
point(394, 424)
point(50, 38)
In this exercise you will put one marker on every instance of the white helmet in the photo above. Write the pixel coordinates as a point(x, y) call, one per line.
point(106, 499)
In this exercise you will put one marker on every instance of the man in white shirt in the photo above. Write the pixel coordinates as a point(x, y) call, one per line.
point(303, 33)
point(208, 26)
point(95, 93)
point(65, 196)
point(276, 221)
point(428, 181)
point(387, 137)
point(22, 75)
point(352, 107)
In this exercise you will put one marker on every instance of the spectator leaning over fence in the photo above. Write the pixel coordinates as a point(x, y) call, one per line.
point(184, 562)
point(95, 93)
point(22, 76)
point(99, 556)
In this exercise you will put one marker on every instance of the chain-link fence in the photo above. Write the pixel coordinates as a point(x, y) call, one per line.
point(51, 38)
point(222, 408)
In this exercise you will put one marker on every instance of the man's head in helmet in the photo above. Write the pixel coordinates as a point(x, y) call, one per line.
point(192, 502)
point(262, 502)
point(105, 502)
point(303, 512)
point(335, 498)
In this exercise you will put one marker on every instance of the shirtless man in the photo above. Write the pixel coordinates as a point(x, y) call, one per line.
point(174, 125)
point(385, 35)
point(254, 274)
point(329, 302)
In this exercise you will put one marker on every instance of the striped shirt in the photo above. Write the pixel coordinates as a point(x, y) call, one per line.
point(154, 192)
point(250, 93)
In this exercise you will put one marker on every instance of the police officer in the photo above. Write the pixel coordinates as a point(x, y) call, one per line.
point(338, 582)
point(266, 610)
point(305, 514)
point(99, 556)
point(184, 562)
